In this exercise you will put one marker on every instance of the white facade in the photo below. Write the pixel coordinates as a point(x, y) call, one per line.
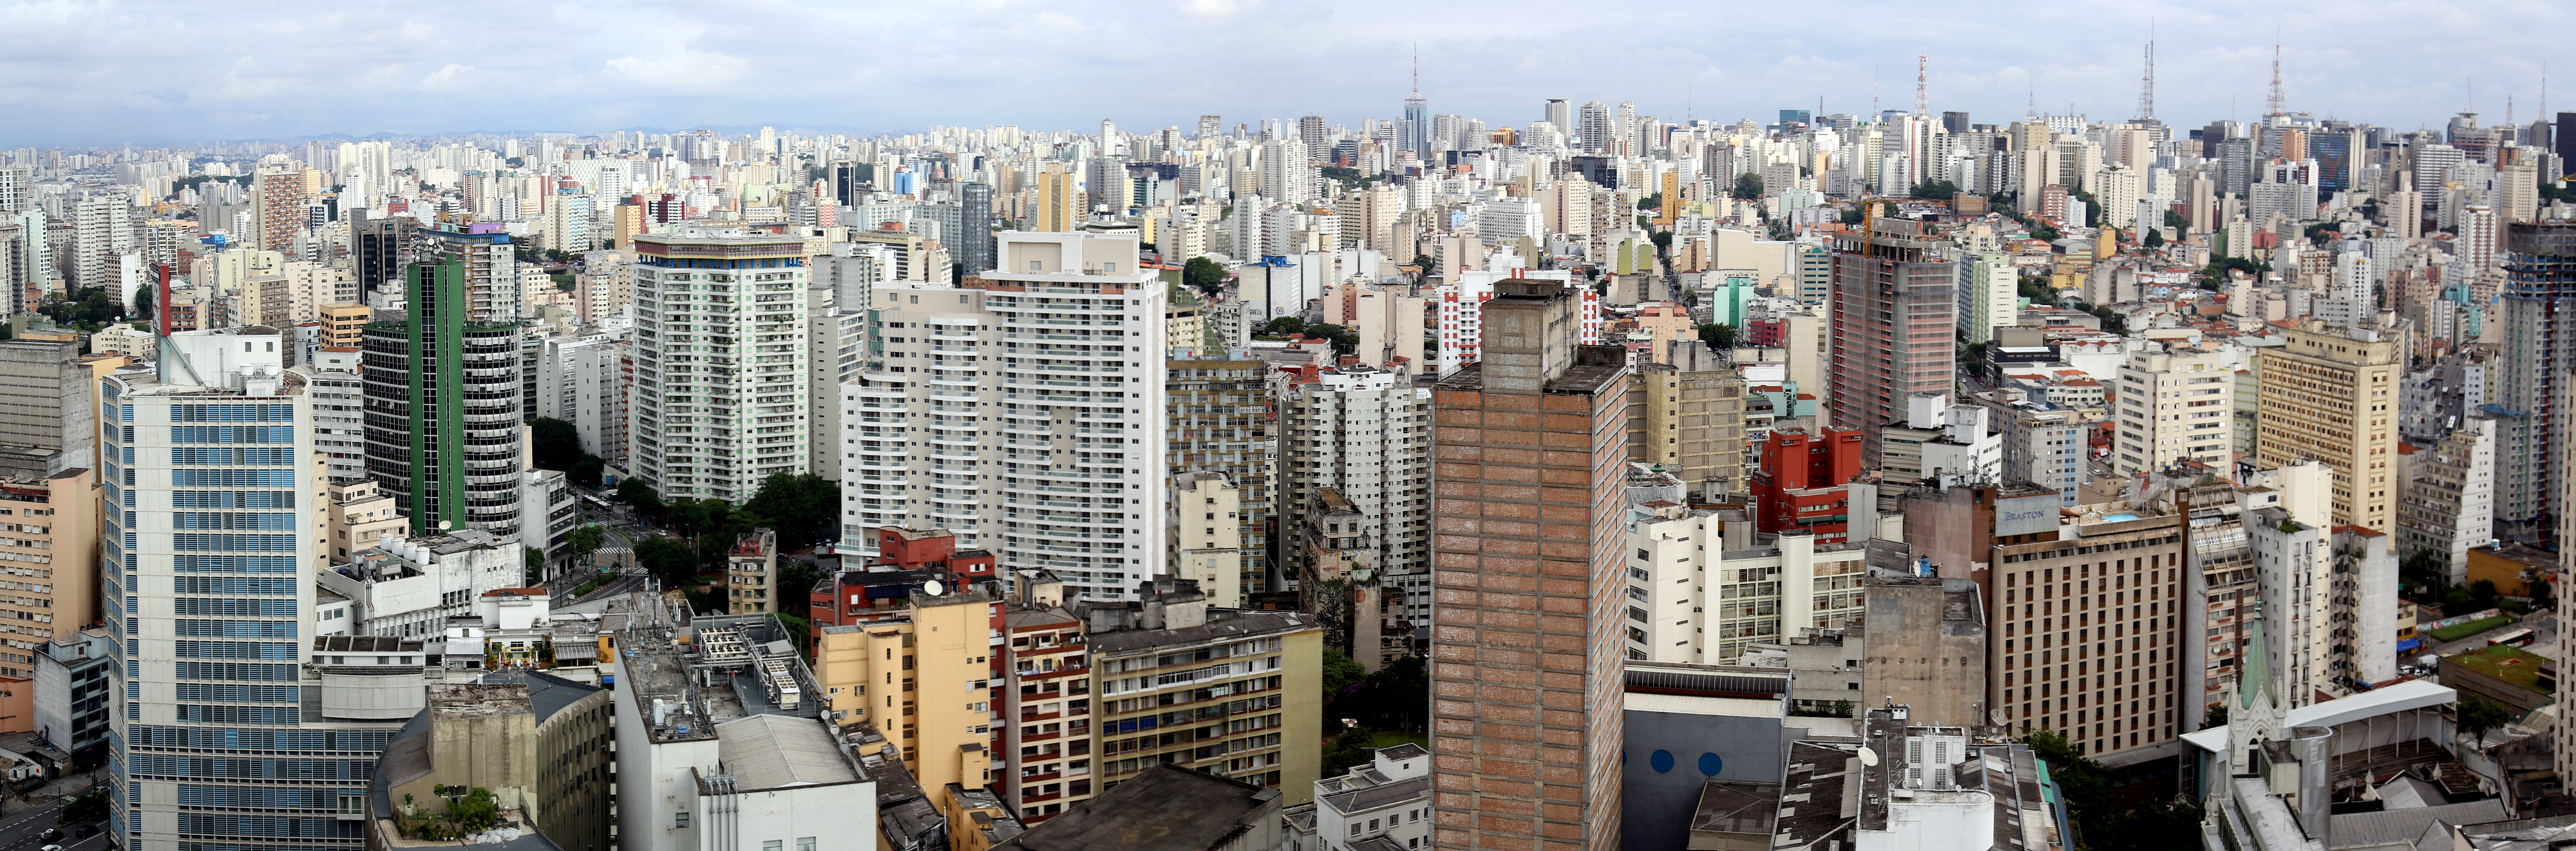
point(839, 341)
point(410, 587)
point(2174, 406)
point(577, 382)
point(1703, 604)
point(1462, 312)
point(720, 399)
point(1388, 797)
point(1989, 293)
point(1027, 417)
point(2294, 570)
point(1365, 433)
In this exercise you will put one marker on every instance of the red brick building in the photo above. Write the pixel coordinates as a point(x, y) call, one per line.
point(1803, 483)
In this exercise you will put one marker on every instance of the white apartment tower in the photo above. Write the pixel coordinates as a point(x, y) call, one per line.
point(720, 399)
point(2174, 406)
point(1366, 434)
point(1026, 416)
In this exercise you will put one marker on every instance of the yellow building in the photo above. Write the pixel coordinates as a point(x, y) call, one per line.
point(924, 681)
point(343, 324)
point(1059, 207)
point(357, 515)
point(2331, 395)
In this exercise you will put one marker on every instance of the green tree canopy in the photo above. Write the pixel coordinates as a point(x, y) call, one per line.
point(1938, 190)
point(1203, 274)
point(1284, 326)
point(1748, 187)
point(554, 444)
point(635, 492)
point(803, 508)
point(674, 562)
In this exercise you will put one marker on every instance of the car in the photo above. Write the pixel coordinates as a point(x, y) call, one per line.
point(51, 848)
point(50, 834)
point(84, 830)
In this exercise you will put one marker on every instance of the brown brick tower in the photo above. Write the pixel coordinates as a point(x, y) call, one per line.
point(1527, 613)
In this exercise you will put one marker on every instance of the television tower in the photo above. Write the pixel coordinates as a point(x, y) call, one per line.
point(2278, 106)
point(2147, 82)
point(1922, 104)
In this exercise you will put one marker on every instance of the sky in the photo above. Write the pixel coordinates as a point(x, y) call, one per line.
point(78, 72)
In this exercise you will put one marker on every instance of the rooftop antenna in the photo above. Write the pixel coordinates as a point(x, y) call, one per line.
point(1873, 93)
point(2278, 105)
point(1417, 70)
point(2147, 82)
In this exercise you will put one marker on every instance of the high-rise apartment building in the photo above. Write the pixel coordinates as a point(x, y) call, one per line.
point(207, 544)
point(720, 363)
point(1989, 295)
point(2083, 643)
point(1688, 415)
point(1222, 420)
point(1027, 415)
point(1355, 462)
point(2173, 406)
point(50, 556)
point(105, 231)
point(1059, 207)
point(277, 201)
point(379, 248)
point(1529, 639)
point(2539, 286)
point(1894, 324)
point(490, 270)
point(443, 401)
point(2330, 394)
point(972, 244)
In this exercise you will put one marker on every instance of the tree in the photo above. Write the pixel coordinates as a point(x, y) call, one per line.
point(1353, 747)
point(1853, 216)
point(1717, 335)
point(1663, 240)
point(477, 811)
point(584, 541)
point(2155, 238)
point(674, 562)
point(536, 561)
point(1284, 326)
point(796, 580)
point(2478, 715)
point(2425, 569)
point(1651, 201)
point(2217, 716)
point(1340, 675)
point(1937, 190)
point(554, 444)
point(2175, 219)
point(804, 508)
point(636, 493)
point(1748, 187)
point(143, 301)
point(586, 472)
point(1203, 274)
point(1345, 341)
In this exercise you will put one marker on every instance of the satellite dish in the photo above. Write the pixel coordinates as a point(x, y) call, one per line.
point(931, 588)
point(1868, 757)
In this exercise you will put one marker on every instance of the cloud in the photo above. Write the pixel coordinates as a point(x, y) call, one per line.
point(110, 71)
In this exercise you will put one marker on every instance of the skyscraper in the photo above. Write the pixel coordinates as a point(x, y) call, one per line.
point(1222, 421)
point(2539, 288)
point(1528, 544)
point(973, 242)
point(1026, 416)
point(2328, 395)
point(1558, 113)
point(720, 392)
point(443, 409)
point(1894, 319)
point(1211, 126)
point(490, 270)
point(1311, 130)
point(233, 732)
point(1594, 128)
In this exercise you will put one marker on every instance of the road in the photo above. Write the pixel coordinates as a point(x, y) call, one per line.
point(2544, 642)
point(19, 832)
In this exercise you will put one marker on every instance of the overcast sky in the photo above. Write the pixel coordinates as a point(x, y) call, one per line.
point(80, 72)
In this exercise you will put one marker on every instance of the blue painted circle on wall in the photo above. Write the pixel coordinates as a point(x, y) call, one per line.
point(1662, 761)
point(1709, 764)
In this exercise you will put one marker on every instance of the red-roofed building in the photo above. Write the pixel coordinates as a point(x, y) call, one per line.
point(907, 561)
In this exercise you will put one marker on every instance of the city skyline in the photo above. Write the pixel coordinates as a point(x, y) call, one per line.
point(101, 73)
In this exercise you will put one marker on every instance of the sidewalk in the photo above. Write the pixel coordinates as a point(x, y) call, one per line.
point(50, 793)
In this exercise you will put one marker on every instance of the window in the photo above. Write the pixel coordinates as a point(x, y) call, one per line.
point(680, 819)
point(1035, 266)
point(805, 843)
point(774, 845)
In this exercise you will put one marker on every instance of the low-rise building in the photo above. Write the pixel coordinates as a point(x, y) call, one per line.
point(409, 587)
point(72, 691)
point(537, 744)
point(358, 516)
point(1166, 808)
point(1383, 804)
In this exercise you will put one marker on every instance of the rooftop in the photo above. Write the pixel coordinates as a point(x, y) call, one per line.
point(779, 751)
point(2508, 663)
point(1166, 808)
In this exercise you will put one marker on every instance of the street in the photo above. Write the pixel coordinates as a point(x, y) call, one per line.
point(2543, 626)
point(19, 832)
